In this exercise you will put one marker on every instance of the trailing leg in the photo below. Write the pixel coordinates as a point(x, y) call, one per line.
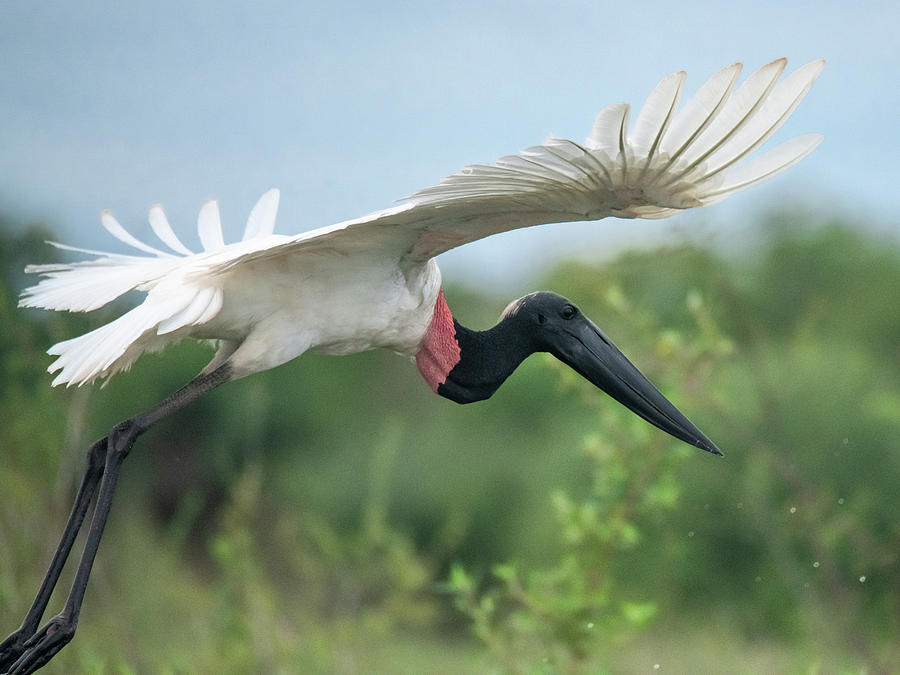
point(41, 646)
point(13, 646)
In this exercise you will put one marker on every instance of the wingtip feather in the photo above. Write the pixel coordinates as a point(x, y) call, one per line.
point(765, 166)
point(261, 221)
point(209, 226)
point(115, 229)
point(160, 224)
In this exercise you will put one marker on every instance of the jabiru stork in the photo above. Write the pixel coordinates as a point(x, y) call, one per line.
point(373, 282)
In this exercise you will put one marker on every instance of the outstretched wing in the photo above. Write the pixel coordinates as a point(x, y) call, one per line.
point(670, 161)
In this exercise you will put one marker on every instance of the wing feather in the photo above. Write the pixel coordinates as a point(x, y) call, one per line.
point(700, 111)
point(209, 227)
point(191, 313)
point(654, 118)
point(115, 229)
point(739, 109)
point(181, 293)
point(110, 348)
point(609, 129)
point(778, 106)
point(765, 166)
point(261, 222)
point(164, 231)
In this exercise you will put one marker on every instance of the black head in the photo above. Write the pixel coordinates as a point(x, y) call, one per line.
point(546, 322)
point(540, 315)
point(560, 328)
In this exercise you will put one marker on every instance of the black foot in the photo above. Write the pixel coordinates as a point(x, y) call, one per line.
point(12, 647)
point(39, 648)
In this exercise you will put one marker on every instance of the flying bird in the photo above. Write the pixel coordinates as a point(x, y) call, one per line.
point(373, 282)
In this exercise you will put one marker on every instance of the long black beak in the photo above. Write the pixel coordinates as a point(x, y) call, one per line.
point(585, 348)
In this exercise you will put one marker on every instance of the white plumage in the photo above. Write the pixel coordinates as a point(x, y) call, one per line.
point(372, 282)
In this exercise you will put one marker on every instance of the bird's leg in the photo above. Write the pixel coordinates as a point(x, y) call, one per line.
point(42, 645)
point(13, 646)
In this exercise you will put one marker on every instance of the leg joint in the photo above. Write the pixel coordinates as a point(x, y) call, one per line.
point(96, 455)
point(122, 437)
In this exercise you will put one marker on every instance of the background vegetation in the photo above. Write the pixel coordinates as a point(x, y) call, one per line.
point(333, 516)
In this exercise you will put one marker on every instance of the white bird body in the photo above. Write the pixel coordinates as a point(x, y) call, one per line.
point(372, 282)
point(332, 304)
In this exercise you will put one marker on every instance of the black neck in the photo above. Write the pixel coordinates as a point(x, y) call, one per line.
point(486, 359)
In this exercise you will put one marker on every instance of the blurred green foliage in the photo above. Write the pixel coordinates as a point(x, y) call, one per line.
point(333, 516)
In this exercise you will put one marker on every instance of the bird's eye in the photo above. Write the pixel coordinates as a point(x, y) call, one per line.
point(568, 312)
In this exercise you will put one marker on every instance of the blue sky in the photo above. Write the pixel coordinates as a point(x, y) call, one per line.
point(349, 106)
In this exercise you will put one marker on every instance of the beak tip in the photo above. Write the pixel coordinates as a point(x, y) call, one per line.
point(710, 447)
